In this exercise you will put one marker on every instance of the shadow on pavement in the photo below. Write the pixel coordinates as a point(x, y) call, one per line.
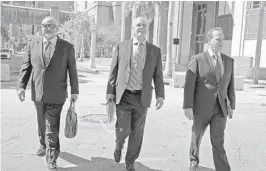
point(201, 168)
point(14, 76)
point(96, 164)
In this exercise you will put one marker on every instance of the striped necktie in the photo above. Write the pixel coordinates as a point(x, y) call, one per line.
point(47, 52)
point(136, 67)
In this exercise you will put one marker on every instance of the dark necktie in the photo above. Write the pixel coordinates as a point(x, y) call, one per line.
point(218, 69)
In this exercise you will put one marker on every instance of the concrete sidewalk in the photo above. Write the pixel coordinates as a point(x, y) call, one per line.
point(99, 68)
point(166, 139)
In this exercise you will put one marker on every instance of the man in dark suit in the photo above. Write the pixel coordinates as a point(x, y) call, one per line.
point(135, 63)
point(209, 97)
point(48, 59)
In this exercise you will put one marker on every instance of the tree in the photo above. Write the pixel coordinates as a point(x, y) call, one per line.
point(143, 8)
point(4, 35)
point(110, 33)
point(79, 24)
point(107, 37)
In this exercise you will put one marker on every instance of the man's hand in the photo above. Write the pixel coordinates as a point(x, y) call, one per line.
point(21, 94)
point(189, 113)
point(110, 97)
point(230, 114)
point(159, 103)
point(74, 97)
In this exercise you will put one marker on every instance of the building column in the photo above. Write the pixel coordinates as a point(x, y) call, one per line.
point(185, 32)
point(238, 29)
point(169, 58)
point(123, 22)
point(157, 25)
point(162, 31)
point(126, 24)
point(117, 10)
point(211, 14)
point(54, 12)
point(93, 46)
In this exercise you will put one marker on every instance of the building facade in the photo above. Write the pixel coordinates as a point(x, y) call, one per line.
point(23, 18)
point(192, 20)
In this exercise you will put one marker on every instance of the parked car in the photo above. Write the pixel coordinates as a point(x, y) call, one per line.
point(5, 53)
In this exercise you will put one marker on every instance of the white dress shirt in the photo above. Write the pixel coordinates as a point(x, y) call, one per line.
point(214, 57)
point(52, 45)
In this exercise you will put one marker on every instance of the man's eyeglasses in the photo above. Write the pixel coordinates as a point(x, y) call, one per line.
point(51, 26)
point(141, 24)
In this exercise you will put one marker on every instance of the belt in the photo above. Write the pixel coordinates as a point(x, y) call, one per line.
point(133, 91)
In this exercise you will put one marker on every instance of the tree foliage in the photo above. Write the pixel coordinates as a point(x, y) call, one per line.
point(143, 8)
point(79, 23)
point(4, 33)
point(110, 34)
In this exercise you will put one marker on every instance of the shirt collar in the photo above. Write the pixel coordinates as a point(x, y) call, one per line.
point(136, 41)
point(53, 40)
point(211, 53)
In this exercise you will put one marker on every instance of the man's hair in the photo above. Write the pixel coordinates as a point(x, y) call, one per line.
point(140, 18)
point(210, 33)
point(51, 18)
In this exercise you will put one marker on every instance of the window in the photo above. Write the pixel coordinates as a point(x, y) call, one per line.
point(225, 18)
point(252, 16)
point(200, 27)
point(225, 7)
point(255, 4)
point(86, 4)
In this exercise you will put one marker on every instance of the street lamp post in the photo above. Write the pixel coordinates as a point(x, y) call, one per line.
point(93, 46)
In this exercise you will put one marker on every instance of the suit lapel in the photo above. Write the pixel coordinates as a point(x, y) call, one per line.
point(224, 66)
point(39, 51)
point(128, 51)
point(148, 55)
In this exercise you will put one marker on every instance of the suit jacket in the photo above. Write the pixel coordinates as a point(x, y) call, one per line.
point(49, 82)
point(201, 86)
point(120, 72)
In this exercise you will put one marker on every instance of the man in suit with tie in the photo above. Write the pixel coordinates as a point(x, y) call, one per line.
point(48, 59)
point(209, 97)
point(135, 63)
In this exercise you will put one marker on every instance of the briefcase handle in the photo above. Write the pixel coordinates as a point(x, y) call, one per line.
point(72, 105)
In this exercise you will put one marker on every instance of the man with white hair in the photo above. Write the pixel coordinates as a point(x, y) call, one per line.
point(135, 63)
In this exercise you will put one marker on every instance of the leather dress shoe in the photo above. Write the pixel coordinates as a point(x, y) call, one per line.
point(52, 166)
point(130, 167)
point(193, 166)
point(117, 155)
point(41, 151)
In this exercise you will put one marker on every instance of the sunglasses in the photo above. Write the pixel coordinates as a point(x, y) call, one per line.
point(51, 26)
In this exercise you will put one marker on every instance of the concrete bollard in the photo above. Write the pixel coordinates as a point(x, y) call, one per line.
point(179, 79)
point(5, 72)
point(239, 83)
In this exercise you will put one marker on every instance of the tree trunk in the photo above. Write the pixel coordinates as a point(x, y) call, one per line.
point(82, 49)
point(76, 46)
point(169, 58)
